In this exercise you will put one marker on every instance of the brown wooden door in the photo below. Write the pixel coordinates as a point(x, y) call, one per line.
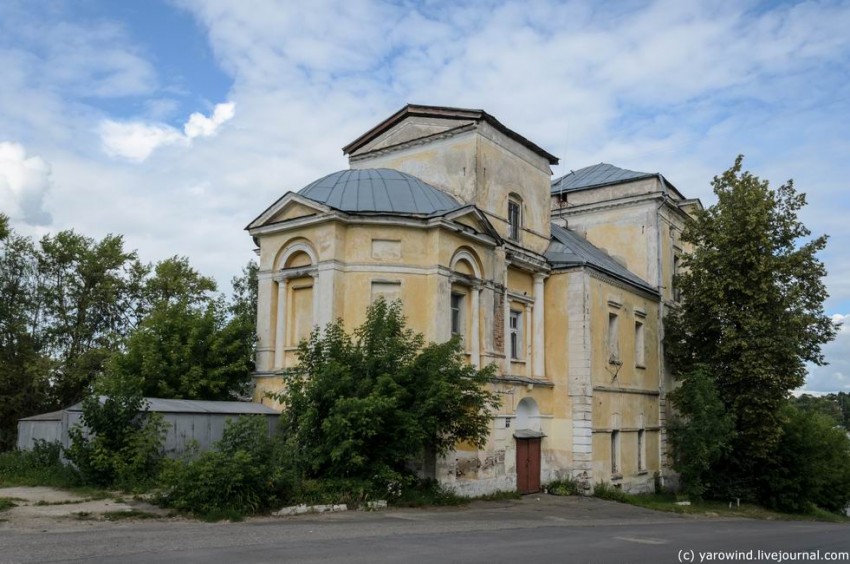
point(528, 465)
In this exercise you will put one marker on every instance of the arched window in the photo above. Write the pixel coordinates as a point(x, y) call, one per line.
point(463, 301)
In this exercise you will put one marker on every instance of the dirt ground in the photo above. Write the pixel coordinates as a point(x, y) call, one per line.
point(41, 508)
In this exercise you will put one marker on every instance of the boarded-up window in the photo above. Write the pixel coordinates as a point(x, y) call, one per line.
point(390, 290)
point(302, 313)
point(641, 450)
point(386, 249)
point(615, 452)
point(640, 344)
point(613, 338)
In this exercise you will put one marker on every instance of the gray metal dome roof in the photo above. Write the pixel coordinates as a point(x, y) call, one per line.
point(378, 190)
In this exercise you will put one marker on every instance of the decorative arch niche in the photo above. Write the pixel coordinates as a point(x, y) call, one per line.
point(527, 415)
point(296, 301)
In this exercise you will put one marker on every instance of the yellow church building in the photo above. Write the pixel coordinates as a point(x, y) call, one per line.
point(562, 284)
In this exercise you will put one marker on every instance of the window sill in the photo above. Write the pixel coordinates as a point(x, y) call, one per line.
point(616, 476)
point(640, 366)
point(642, 473)
point(518, 360)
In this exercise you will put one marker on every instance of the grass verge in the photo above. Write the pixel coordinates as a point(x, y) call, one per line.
point(6, 503)
point(668, 503)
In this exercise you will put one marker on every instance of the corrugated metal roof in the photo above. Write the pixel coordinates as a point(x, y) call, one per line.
point(160, 405)
point(568, 248)
point(596, 175)
point(52, 416)
point(378, 190)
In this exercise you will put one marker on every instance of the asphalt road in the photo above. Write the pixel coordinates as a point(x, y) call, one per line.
point(535, 529)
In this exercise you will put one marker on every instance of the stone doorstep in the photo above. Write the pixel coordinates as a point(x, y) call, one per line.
point(304, 509)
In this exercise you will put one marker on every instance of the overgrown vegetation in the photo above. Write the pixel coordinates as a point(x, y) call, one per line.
point(41, 466)
point(674, 504)
point(751, 317)
point(363, 406)
point(834, 406)
point(563, 487)
point(73, 308)
point(241, 475)
point(119, 443)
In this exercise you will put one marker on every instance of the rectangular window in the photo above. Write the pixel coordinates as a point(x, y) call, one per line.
point(613, 338)
point(513, 220)
point(516, 334)
point(615, 452)
point(640, 345)
point(457, 314)
point(677, 295)
point(641, 451)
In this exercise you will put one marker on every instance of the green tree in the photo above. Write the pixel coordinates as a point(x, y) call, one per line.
point(752, 311)
point(190, 344)
point(79, 314)
point(843, 400)
point(23, 381)
point(811, 465)
point(825, 405)
point(700, 433)
point(366, 404)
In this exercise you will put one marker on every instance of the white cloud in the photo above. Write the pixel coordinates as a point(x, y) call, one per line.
point(201, 126)
point(24, 182)
point(136, 140)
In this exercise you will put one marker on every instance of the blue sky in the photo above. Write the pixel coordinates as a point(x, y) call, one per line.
point(175, 122)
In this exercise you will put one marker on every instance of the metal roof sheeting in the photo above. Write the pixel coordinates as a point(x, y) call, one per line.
point(568, 248)
point(159, 405)
point(596, 175)
point(379, 190)
point(52, 416)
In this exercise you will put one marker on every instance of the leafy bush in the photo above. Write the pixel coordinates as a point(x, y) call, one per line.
point(119, 443)
point(811, 465)
point(363, 406)
point(241, 476)
point(604, 490)
point(564, 486)
point(41, 466)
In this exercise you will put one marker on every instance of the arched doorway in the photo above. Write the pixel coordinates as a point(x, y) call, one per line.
point(528, 437)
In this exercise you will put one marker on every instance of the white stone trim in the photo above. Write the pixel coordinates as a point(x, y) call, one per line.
point(538, 369)
point(465, 255)
point(298, 247)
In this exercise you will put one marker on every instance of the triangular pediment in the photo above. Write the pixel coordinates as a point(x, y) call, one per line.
point(289, 207)
point(412, 128)
point(472, 218)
